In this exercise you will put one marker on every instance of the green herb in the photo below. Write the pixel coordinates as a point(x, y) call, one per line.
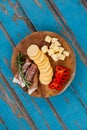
point(20, 62)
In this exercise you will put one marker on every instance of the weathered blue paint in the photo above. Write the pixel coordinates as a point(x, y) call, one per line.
point(2, 126)
point(76, 16)
point(9, 118)
point(68, 105)
point(11, 21)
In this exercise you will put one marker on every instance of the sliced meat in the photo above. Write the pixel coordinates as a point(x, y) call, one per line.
point(26, 65)
point(34, 85)
point(17, 79)
point(31, 72)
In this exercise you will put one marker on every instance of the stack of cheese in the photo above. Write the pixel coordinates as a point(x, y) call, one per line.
point(56, 51)
point(42, 61)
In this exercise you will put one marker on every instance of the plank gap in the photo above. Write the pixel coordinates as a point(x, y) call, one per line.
point(84, 2)
point(38, 109)
point(7, 35)
point(19, 103)
point(24, 17)
point(2, 121)
point(57, 115)
point(78, 96)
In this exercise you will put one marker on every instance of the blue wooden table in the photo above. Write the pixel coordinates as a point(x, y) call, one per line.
point(18, 110)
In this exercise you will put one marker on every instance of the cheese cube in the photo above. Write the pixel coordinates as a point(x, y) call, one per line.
point(61, 49)
point(44, 48)
point(50, 52)
point(48, 39)
point(52, 46)
point(54, 40)
point(55, 57)
point(66, 53)
point(62, 57)
point(56, 49)
point(57, 43)
point(58, 54)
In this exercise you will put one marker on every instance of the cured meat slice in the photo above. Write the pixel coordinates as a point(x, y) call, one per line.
point(31, 72)
point(26, 65)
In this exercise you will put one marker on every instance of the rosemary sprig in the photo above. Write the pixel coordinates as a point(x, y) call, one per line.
point(20, 62)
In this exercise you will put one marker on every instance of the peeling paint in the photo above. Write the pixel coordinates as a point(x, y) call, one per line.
point(3, 8)
point(78, 125)
point(84, 2)
point(19, 35)
point(67, 100)
point(38, 3)
point(12, 4)
point(7, 63)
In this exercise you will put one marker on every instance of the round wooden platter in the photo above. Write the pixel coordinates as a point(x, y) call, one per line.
point(38, 39)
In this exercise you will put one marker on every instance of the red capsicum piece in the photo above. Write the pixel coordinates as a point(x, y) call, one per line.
point(62, 74)
point(60, 77)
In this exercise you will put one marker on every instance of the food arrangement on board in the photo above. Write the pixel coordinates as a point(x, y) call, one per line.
point(43, 64)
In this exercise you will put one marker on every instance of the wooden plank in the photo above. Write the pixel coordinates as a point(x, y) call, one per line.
point(46, 112)
point(79, 15)
point(2, 125)
point(13, 20)
point(6, 96)
point(72, 113)
point(11, 122)
point(84, 2)
point(26, 100)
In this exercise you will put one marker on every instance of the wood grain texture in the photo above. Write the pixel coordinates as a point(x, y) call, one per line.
point(18, 105)
point(78, 24)
point(84, 2)
point(9, 22)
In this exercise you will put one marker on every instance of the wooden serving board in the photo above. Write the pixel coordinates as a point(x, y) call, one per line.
point(38, 39)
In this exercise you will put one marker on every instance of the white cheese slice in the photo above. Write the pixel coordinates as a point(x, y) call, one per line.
point(48, 39)
point(66, 53)
point(61, 49)
point(56, 49)
point(50, 52)
point(54, 40)
point(62, 57)
point(55, 57)
point(44, 48)
point(57, 43)
point(52, 46)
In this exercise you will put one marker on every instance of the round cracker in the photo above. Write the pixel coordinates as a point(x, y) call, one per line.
point(48, 73)
point(45, 65)
point(45, 81)
point(44, 62)
point(45, 69)
point(37, 56)
point(40, 59)
point(32, 50)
